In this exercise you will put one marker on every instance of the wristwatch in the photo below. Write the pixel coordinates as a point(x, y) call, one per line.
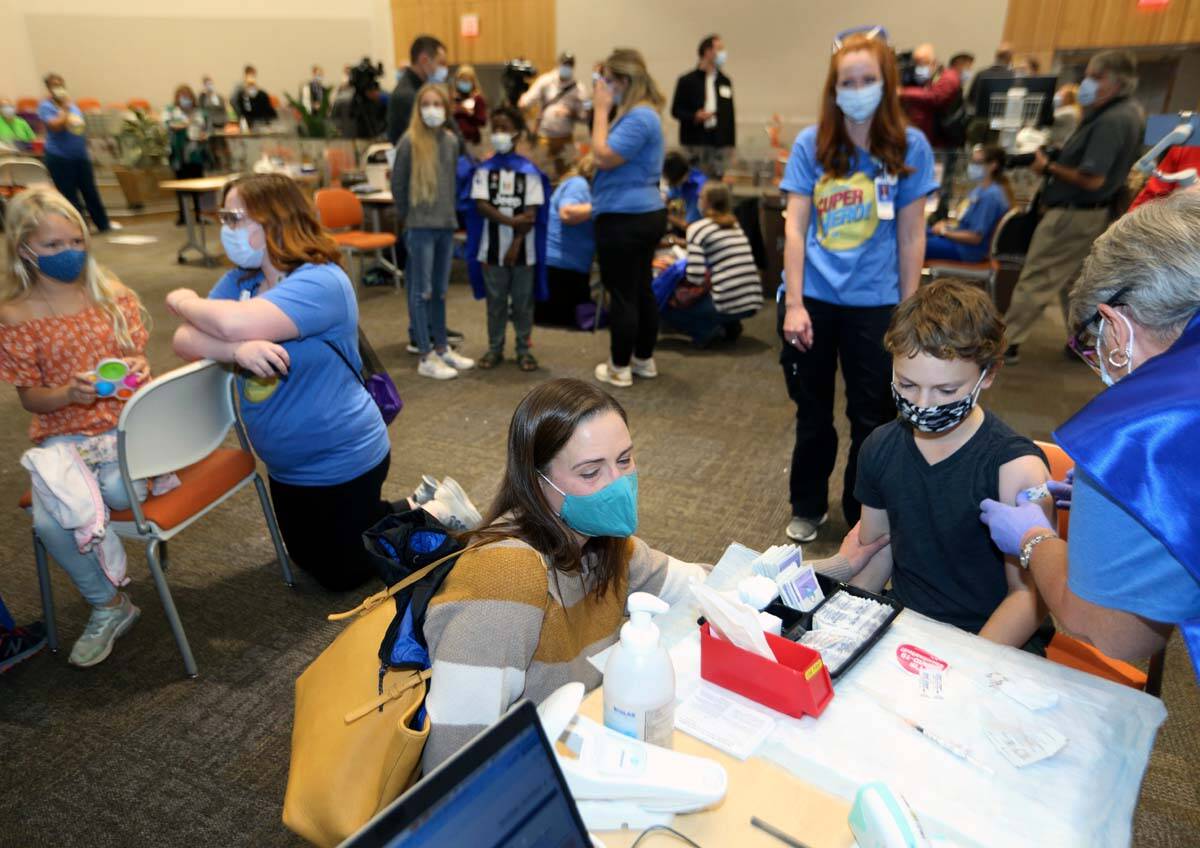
point(1027, 548)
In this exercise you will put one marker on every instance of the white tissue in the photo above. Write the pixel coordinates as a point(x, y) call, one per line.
point(735, 621)
point(757, 591)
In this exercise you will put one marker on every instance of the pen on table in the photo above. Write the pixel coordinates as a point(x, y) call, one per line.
point(776, 832)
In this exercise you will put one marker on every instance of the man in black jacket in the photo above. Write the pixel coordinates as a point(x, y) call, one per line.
point(426, 63)
point(703, 105)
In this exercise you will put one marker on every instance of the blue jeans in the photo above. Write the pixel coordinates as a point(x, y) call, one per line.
point(940, 247)
point(84, 569)
point(701, 321)
point(427, 275)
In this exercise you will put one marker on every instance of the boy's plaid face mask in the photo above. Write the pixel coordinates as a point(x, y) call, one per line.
point(936, 419)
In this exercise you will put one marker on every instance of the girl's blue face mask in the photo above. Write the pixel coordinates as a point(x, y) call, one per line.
point(611, 511)
point(236, 242)
point(64, 266)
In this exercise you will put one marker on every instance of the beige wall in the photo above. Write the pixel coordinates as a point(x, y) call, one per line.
point(124, 48)
point(778, 49)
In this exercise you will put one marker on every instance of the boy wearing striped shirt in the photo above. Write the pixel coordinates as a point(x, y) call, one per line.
point(719, 261)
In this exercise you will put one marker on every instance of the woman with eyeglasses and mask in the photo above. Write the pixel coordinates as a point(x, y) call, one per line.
point(519, 615)
point(628, 210)
point(1131, 569)
point(855, 241)
point(287, 318)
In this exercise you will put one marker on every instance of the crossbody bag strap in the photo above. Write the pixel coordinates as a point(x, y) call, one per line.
point(357, 374)
point(371, 601)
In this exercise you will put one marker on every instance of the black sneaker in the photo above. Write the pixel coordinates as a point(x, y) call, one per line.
point(1013, 355)
point(20, 644)
point(454, 337)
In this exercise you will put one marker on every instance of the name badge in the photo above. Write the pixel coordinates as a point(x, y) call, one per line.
point(725, 91)
point(885, 196)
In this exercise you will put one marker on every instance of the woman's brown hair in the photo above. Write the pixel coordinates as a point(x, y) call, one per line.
point(294, 235)
point(887, 141)
point(993, 154)
point(543, 423)
point(718, 204)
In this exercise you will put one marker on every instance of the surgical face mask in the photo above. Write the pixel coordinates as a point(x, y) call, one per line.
point(8, 111)
point(210, 87)
point(721, 58)
point(237, 247)
point(1105, 377)
point(1058, 101)
point(936, 419)
point(616, 94)
point(859, 104)
point(1088, 91)
point(464, 86)
point(439, 74)
point(611, 511)
point(319, 79)
point(433, 116)
point(565, 72)
point(502, 142)
point(252, 90)
point(185, 103)
point(923, 72)
point(399, 75)
point(64, 266)
point(976, 171)
point(59, 92)
point(965, 77)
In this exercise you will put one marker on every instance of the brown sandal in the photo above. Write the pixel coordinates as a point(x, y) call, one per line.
point(526, 362)
point(489, 360)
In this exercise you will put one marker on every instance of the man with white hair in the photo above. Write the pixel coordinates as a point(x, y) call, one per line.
point(937, 94)
point(1082, 183)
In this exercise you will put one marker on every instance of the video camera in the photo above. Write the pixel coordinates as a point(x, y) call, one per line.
point(907, 68)
point(366, 112)
point(364, 76)
point(1024, 160)
point(516, 77)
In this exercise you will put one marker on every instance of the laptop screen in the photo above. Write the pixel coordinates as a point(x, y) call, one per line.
point(488, 795)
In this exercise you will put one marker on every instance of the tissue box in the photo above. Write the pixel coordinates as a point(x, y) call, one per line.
point(797, 684)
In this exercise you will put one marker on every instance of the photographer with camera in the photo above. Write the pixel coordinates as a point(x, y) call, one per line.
point(1082, 182)
point(933, 100)
point(367, 112)
point(426, 63)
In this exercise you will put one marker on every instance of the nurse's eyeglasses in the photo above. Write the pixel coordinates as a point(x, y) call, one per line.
point(1083, 343)
point(231, 217)
point(869, 32)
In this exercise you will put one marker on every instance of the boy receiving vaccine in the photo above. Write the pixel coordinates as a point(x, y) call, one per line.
point(921, 477)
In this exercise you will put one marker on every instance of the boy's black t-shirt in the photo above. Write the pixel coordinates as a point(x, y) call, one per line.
point(944, 563)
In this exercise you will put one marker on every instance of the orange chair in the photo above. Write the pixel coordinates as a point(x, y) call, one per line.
point(338, 161)
point(139, 104)
point(1067, 651)
point(88, 104)
point(27, 104)
point(341, 212)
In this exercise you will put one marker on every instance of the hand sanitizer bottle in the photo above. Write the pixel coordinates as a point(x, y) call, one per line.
point(639, 680)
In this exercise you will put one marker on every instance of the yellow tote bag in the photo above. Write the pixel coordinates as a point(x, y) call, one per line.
point(353, 751)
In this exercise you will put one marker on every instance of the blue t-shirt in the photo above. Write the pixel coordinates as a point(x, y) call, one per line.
point(632, 187)
point(689, 192)
point(570, 246)
point(851, 256)
point(65, 143)
point(317, 426)
point(985, 208)
point(1116, 562)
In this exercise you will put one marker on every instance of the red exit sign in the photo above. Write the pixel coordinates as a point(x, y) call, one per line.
point(1152, 5)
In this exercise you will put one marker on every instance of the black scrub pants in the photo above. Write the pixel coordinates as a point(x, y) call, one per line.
point(75, 178)
point(852, 336)
point(625, 245)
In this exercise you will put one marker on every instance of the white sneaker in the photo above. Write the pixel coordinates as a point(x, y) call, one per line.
point(451, 494)
point(103, 628)
point(443, 514)
point(606, 372)
point(643, 367)
point(425, 492)
point(432, 366)
point(456, 360)
point(805, 529)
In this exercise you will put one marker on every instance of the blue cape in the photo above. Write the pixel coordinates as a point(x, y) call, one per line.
point(1140, 441)
point(664, 284)
point(475, 222)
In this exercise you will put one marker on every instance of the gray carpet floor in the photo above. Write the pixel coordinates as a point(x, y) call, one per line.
point(132, 753)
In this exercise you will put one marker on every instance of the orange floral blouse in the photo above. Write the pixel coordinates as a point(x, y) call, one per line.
point(50, 351)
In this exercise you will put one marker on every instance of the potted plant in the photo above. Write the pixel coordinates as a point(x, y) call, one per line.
point(142, 150)
point(314, 123)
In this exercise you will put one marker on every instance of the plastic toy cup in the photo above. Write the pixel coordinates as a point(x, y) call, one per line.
point(115, 379)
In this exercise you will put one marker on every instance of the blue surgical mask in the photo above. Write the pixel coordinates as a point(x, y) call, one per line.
point(464, 86)
point(64, 266)
point(923, 72)
point(185, 103)
point(611, 511)
point(859, 104)
point(616, 96)
point(1088, 89)
point(976, 171)
point(965, 78)
point(721, 58)
point(565, 72)
point(237, 247)
point(439, 74)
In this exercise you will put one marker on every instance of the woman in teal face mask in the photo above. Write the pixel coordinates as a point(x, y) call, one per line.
point(518, 617)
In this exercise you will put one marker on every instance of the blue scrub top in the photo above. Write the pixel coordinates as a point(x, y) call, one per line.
point(570, 246)
point(632, 187)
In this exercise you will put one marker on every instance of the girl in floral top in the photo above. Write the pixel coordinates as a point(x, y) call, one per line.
point(60, 315)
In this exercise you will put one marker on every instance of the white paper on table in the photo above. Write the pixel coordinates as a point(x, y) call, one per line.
point(1024, 691)
point(1025, 745)
point(712, 716)
point(132, 238)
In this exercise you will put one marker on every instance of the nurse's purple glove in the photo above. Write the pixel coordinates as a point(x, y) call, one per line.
point(1009, 524)
point(1061, 492)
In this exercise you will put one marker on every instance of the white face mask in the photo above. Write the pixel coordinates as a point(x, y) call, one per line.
point(1105, 377)
point(59, 91)
point(923, 72)
point(433, 116)
point(721, 58)
point(565, 72)
point(502, 142)
point(8, 111)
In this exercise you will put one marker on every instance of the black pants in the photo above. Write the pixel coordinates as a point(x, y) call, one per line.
point(74, 177)
point(322, 526)
point(853, 336)
point(625, 249)
point(188, 171)
point(568, 289)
